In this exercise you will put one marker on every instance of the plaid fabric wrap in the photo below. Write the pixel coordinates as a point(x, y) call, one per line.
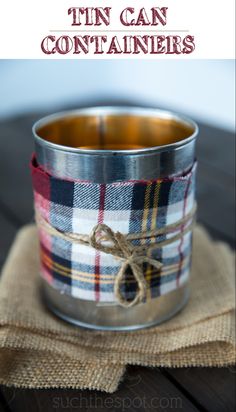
point(127, 207)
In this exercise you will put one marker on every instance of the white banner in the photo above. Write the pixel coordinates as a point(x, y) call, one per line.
point(117, 29)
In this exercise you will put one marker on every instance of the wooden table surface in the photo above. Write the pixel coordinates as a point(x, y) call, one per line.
point(143, 389)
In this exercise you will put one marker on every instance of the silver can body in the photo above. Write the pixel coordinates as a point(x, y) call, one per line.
point(108, 166)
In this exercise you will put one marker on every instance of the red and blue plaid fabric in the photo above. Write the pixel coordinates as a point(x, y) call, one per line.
point(127, 207)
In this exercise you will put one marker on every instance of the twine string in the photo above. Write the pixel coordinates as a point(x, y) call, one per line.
point(104, 239)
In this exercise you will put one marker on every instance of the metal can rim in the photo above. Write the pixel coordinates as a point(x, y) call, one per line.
point(116, 110)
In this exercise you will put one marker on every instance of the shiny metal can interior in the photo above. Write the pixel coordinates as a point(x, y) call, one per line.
point(91, 144)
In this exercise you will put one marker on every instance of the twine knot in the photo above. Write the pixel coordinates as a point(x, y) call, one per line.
point(104, 239)
point(124, 250)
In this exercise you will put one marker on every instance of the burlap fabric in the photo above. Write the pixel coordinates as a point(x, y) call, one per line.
point(37, 350)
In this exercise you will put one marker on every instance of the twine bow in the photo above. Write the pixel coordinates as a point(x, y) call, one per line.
point(124, 250)
point(120, 246)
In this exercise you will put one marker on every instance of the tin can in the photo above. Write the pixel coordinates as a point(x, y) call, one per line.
point(120, 150)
